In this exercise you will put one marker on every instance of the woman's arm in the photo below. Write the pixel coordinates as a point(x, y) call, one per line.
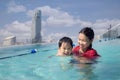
point(83, 60)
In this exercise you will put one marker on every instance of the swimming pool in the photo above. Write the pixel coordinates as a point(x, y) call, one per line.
point(39, 66)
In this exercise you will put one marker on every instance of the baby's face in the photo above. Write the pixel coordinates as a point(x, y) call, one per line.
point(65, 49)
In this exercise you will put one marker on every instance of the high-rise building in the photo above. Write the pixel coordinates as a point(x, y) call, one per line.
point(36, 28)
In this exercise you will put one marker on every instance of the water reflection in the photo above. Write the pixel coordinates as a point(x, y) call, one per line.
point(86, 71)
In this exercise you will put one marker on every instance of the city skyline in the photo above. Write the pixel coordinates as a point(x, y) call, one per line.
point(59, 18)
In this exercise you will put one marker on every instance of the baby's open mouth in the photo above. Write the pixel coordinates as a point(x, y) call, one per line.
point(66, 53)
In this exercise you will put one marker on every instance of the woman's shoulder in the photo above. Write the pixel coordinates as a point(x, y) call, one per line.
point(93, 52)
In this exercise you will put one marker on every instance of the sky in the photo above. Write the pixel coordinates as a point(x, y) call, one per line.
point(59, 17)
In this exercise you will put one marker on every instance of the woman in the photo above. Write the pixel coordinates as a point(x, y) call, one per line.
point(84, 52)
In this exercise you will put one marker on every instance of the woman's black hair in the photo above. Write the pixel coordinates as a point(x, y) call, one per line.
point(65, 39)
point(89, 33)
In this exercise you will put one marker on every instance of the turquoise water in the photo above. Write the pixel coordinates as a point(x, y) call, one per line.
point(43, 66)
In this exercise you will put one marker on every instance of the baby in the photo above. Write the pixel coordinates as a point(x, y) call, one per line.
point(65, 46)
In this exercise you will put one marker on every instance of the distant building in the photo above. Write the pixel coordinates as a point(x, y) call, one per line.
point(36, 28)
point(113, 32)
point(8, 41)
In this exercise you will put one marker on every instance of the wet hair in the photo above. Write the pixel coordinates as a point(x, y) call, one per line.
point(65, 39)
point(89, 33)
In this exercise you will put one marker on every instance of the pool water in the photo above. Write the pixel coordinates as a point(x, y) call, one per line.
point(43, 65)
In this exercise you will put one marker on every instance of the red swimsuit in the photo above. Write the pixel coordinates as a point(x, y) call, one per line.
point(90, 53)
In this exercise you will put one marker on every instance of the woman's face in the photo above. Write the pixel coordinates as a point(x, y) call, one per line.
point(83, 41)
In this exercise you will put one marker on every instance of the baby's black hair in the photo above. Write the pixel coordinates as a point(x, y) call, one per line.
point(65, 39)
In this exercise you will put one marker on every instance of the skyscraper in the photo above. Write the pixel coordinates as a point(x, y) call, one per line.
point(36, 28)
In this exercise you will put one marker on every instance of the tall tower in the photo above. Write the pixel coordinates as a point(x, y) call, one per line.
point(36, 28)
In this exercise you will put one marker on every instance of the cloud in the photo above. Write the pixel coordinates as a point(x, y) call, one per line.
point(52, 19)
point(101, 26)
point(54, 16)
point(5, 33)
point(18, 29)
point(14, 8)
point(54, 36)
